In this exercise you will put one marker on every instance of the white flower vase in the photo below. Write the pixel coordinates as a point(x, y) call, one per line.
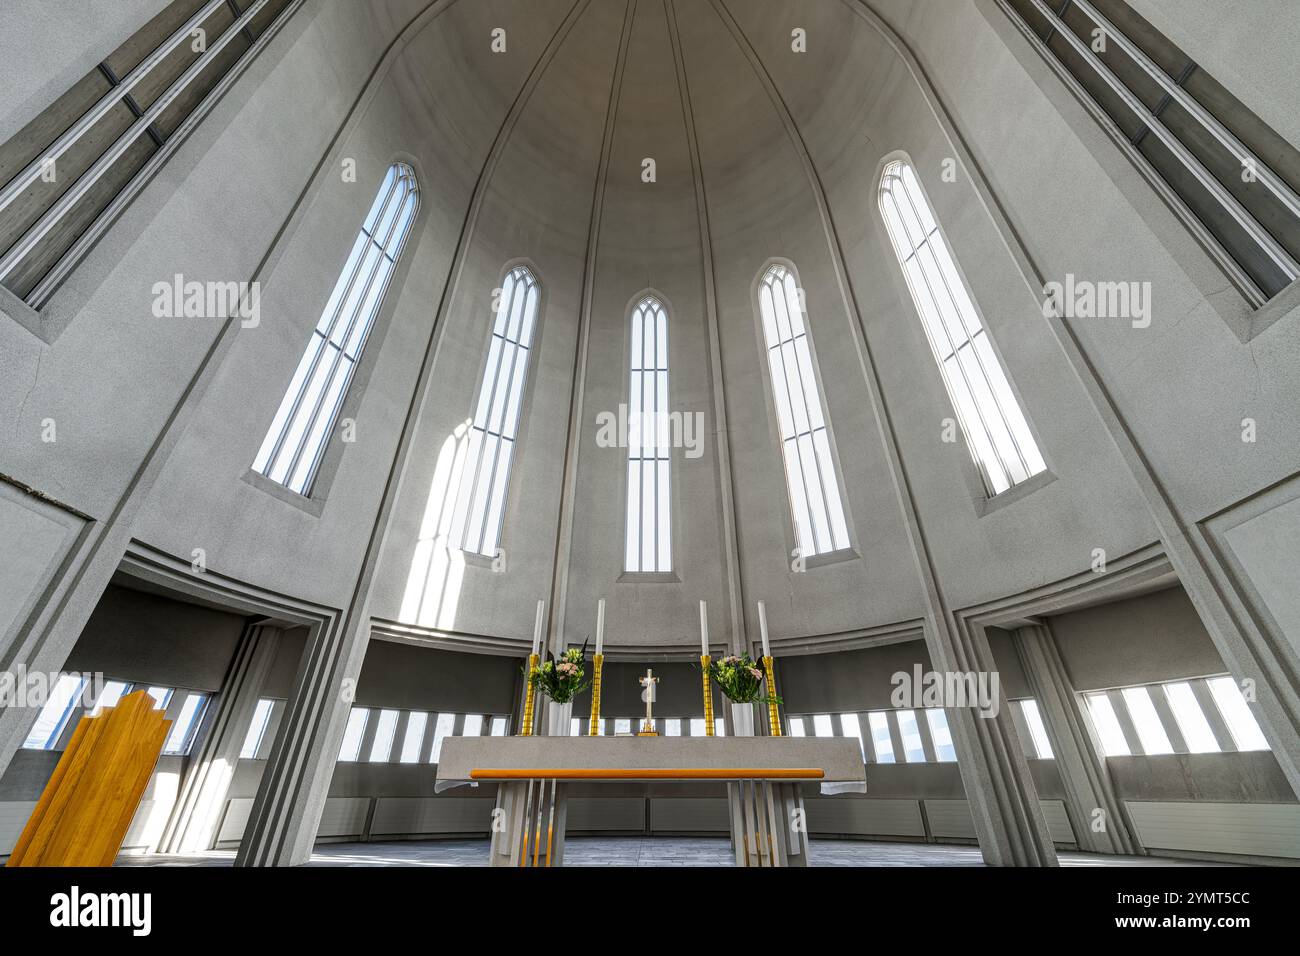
point(559, 718)
point(742, 720)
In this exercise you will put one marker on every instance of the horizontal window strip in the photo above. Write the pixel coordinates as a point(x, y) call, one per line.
point(65, 182)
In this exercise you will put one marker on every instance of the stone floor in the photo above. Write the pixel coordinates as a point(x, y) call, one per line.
point(638, 851)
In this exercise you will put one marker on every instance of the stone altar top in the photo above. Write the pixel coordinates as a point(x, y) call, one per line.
point(834, 762)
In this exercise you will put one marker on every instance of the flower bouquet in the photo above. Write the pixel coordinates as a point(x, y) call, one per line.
point(562, 679)
point(741, 680)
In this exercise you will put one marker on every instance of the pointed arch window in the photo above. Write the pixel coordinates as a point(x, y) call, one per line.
point(997, 433)
point(481, 502)
point(295, 443)
point(648, 544)
point(811, 479)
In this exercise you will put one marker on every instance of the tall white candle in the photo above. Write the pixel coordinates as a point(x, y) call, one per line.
point(600, 626)
point(762, 628)
point(704, 629)
point(537, 627)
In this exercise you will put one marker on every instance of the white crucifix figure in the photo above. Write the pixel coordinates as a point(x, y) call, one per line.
point(648, 695)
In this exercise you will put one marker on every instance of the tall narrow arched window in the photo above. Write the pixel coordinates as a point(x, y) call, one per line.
point(815, 503)
point(294, 445)
point(648, 545)
point(996, 431)
point(481, 502)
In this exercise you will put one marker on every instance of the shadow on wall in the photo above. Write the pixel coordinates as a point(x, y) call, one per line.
point(437, 568)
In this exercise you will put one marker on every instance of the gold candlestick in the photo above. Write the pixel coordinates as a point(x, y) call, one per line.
point(773, 718)
point(596, 663)
point(708, 696)
point(529, 697)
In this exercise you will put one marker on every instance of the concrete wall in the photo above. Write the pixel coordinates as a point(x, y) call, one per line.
point(1139, 641)
point(144, 637)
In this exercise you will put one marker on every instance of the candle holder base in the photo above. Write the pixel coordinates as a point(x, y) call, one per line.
point(647, 730)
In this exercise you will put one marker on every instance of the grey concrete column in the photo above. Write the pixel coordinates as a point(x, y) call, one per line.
point(1003, 800)
point(282, 824)
point(1088, 786)
point(197, 814)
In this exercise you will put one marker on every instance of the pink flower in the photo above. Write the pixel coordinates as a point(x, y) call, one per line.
point(756, 672)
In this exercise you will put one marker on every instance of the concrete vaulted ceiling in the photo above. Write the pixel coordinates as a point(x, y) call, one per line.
point(763, 149)
point(698, 89)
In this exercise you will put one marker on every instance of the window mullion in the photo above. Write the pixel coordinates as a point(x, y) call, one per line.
point(1210, 709)
point(896, 736)
point(927, 741)
point(1167, 719)
point(1120, 708)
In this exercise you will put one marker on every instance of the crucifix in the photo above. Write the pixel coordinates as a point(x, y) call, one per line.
point(648, 695)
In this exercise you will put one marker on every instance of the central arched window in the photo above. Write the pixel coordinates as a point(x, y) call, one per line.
point(648, 545)
point(991, 419)
point(295, 443)
point(810, 475)
point(481, 503)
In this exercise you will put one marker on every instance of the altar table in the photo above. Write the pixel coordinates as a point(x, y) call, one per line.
point(764, 777)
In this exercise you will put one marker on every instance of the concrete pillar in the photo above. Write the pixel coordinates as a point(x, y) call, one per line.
point(1088, 786)
point(1003, 800)
point(281, 828)
point(197, 814)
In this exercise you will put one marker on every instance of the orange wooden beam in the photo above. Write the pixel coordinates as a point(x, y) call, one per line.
point(86, 808)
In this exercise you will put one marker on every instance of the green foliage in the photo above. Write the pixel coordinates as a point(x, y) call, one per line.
point(741, 680)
